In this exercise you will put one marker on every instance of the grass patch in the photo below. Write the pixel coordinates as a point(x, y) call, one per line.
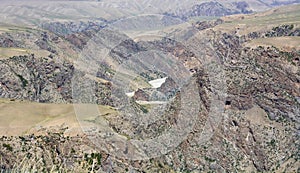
point(10, 52)
point(282, 43)
point(8, 147)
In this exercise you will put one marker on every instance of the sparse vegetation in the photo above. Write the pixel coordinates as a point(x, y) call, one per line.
point(8, 147)
point(259, 54)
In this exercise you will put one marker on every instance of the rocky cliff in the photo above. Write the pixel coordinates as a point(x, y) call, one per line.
point(258, 130)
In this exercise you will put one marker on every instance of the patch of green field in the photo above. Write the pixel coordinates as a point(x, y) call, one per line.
point(139, 82)
point(202, 18)
point(13, 28)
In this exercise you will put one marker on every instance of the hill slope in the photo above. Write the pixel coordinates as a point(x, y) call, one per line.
point(253, 126)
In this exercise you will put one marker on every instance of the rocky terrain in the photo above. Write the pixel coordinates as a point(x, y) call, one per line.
point(256, 131)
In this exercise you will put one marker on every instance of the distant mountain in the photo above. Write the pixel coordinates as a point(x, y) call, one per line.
point(37, 12)
point(224, 8)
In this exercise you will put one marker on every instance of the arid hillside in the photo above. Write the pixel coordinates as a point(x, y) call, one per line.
point(208, 87)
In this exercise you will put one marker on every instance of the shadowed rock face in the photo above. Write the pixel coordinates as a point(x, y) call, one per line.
point(210, 9)
point(168, 88)
point(141, 95)
point(243, 6)
point(7, 42)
